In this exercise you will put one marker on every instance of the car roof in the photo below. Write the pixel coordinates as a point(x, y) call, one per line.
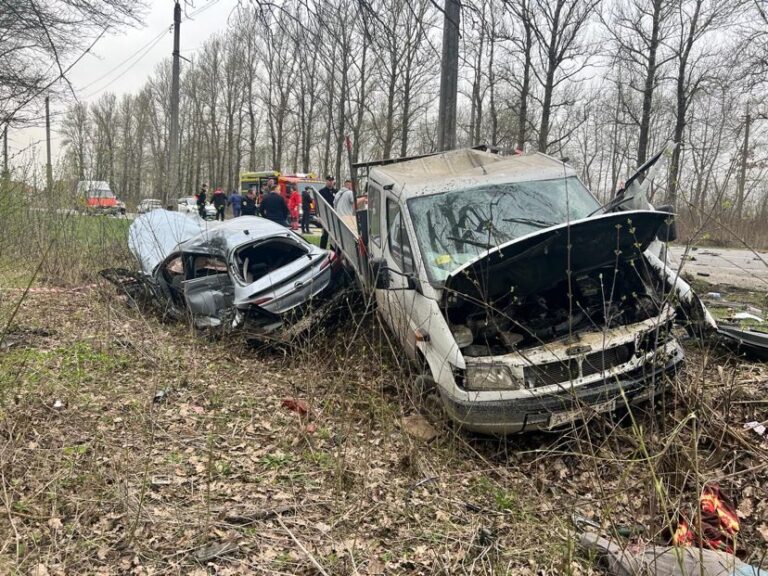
point(155, 235)
point(466, 168)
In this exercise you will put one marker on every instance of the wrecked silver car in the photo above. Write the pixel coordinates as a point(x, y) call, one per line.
point(245, 273)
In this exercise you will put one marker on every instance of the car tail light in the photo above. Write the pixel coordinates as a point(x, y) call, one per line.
point(327, 261)
point(260, 301)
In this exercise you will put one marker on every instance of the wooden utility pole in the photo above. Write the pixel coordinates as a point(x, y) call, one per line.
point(173, 158)
point(48, 165)
point(741, 183)
point(6, 173)
point(449, 76)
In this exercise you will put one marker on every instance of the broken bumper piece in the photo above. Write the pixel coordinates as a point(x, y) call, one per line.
point(550, 411)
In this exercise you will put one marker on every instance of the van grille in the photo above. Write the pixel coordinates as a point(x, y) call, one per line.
point(567, 370)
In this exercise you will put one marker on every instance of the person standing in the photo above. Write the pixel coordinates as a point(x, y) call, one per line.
point(220, 203)
point(306, 208)
point(294, 202)
point(344, 203)
point(328, 192)
point(249, 203)
point(201, 199)
point(273, 207)
point(236, 201)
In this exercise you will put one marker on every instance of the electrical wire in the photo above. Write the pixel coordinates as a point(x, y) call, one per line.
point(146, 50)
point(106, 74)
point(140, 54)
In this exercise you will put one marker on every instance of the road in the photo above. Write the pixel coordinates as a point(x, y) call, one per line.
point(725, 266)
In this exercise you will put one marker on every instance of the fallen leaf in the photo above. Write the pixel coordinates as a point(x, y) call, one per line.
point(55, 524)
point(418, 427)
point(763, 529)
point(745, 508)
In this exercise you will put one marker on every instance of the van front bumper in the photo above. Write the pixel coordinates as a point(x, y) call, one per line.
point(553, 410)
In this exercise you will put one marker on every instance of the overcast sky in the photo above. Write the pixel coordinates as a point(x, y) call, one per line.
point(121, 62)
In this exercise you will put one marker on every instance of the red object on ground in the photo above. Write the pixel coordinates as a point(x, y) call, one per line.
point(719, 523)
point(294, 405)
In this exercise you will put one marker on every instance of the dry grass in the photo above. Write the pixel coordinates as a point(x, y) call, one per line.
point(174, 454)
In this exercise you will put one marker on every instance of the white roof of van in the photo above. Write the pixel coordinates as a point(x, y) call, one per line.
point(466, 168)
point(85, 185)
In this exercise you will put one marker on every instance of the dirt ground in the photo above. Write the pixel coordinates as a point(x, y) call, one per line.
point(130, 446)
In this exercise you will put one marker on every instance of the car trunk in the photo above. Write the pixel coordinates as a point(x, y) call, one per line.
point(278, 274)
point(535, 290)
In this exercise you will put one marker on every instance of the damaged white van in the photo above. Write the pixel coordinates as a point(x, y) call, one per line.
point(525, 303)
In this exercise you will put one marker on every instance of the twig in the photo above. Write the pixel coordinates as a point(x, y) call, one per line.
point(309, 555)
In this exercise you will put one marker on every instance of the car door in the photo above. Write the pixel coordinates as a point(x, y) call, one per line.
point(208, 290)
point(399, 299)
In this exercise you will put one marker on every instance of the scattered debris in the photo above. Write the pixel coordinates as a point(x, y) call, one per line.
point(58, 404)
point(160, 396)
point(212, 551)
point(245, 516)
point(664, 560)
point(757, 427)
point(746, 316)
point(717, 525)
point(714, 295)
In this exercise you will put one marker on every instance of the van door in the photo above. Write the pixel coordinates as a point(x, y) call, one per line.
point(399, 299)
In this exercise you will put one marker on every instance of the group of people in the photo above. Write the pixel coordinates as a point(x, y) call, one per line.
point(270, 204)
point(278, 207)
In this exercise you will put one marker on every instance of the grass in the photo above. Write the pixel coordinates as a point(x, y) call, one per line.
point(312, 238)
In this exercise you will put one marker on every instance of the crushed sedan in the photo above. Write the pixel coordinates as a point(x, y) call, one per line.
point(247, 273)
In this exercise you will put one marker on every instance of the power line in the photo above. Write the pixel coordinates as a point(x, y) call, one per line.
point(100, 78)
point(146, 50)
point(141, 53)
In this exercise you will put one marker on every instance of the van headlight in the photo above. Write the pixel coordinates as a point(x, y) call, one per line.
point(485, 377)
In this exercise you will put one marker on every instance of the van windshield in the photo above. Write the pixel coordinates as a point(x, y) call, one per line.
point(455, 227)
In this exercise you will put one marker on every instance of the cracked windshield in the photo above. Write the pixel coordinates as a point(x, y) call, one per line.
point(455, 227)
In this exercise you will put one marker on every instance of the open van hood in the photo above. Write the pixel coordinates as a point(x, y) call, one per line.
point(540, 260)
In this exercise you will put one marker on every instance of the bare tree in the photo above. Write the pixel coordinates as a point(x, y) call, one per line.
point(557, 26)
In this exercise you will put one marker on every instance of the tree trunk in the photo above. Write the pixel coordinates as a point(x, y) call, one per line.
point(649, 85)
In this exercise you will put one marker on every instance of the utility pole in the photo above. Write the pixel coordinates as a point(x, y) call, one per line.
point(6, 174)
point(449, 76)
point(741, 182)
point(173, 160)
point(48, 165)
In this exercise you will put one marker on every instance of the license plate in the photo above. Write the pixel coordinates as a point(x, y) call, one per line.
point(565, 417)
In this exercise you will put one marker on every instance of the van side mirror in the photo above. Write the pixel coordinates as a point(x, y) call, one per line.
point(668, 231)
point(380, 272)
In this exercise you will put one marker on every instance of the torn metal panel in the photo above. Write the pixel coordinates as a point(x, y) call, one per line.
point(751, 342)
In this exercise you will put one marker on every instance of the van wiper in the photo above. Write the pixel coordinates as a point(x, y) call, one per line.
point(611, 204)
point(472, 242)
point(531, 221)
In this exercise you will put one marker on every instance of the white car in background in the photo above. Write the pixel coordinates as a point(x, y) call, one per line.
point(188, 205)
point(148, 204)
